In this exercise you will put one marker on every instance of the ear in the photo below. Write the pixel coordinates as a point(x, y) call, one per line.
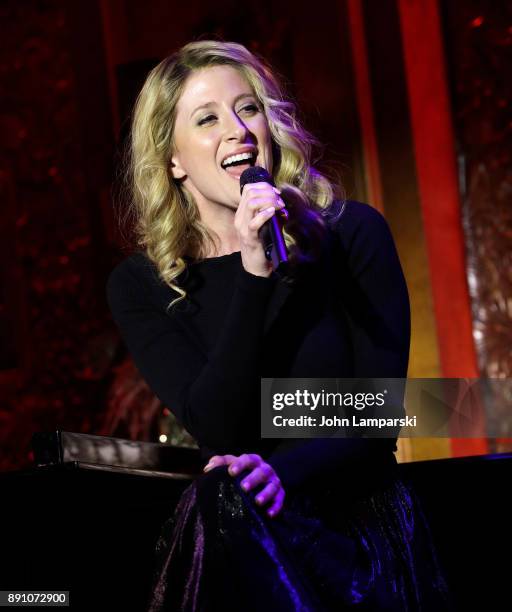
point(176, 169)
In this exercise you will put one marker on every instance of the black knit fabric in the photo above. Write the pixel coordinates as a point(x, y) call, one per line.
point(347, 315)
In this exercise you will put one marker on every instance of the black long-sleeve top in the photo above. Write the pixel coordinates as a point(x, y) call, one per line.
point(347, 315)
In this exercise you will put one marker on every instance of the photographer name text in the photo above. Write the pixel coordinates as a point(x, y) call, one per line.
point(324, 421)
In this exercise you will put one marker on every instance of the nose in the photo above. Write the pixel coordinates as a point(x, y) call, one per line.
point(235, 128)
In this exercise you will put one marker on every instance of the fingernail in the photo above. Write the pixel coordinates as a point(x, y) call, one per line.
point(245, 486)
point(269, 210)
point(271, 512)
point(208, 466)
point(233, 471)
point(259, 500)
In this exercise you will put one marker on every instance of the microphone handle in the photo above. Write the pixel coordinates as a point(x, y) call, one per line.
point(271, 234)
point(273, 242)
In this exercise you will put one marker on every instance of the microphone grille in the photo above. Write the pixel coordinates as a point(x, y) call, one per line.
point(255, 175)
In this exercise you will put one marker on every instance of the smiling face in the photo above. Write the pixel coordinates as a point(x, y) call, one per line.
point(218, 117)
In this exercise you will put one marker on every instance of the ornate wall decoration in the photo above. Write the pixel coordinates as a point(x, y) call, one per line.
point(479, 48)
point(65, 341)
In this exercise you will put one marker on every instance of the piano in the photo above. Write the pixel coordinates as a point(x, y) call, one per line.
point(87, 516)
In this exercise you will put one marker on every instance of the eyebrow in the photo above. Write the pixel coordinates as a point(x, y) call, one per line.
point(209, 104)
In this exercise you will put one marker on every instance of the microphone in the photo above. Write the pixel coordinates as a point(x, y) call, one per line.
point(271, 234)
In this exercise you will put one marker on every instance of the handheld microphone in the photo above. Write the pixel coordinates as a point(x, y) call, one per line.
point(271, 234)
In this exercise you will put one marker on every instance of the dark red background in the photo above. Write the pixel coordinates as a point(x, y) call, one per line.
point(69, 72)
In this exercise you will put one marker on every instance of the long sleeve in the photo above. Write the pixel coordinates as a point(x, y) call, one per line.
point(375, 299)
point(375, 295)
point(209, 393)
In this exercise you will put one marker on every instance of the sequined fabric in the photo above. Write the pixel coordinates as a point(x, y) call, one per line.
point(220, 552)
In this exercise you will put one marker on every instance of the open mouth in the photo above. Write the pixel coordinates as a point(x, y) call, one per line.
point(236, 164)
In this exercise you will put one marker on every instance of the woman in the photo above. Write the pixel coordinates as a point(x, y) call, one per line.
point(271, 525)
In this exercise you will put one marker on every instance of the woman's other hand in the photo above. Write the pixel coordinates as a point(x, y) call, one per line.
point(261, 474)
point(258, 204)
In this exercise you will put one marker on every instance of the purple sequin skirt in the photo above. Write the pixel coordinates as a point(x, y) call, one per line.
point(220, 552)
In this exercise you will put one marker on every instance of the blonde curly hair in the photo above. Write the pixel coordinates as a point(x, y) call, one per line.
point(167, 222)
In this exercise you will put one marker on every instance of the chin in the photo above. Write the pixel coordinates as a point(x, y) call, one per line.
point(234, 200)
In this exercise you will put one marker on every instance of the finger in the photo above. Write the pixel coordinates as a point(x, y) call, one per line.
point(261, 186)
point(244, 462)
point(260, 203)
point(250, 197)
point(259, 475)
point(255, 190)
point(268, 494)
point(277, 506)
point(261, 218)
point(229, 459)
point(218, 460)
point(214, 462)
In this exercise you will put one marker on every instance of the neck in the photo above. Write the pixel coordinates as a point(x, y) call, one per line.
point(221, 222)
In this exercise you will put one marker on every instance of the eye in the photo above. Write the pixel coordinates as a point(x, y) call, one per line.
point(207, 119)
point(250, 108)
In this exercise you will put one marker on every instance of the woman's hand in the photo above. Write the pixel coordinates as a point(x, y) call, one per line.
point(260, 474)
point(258, 204)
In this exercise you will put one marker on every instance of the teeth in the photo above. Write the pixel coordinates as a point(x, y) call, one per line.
point(236, 158)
